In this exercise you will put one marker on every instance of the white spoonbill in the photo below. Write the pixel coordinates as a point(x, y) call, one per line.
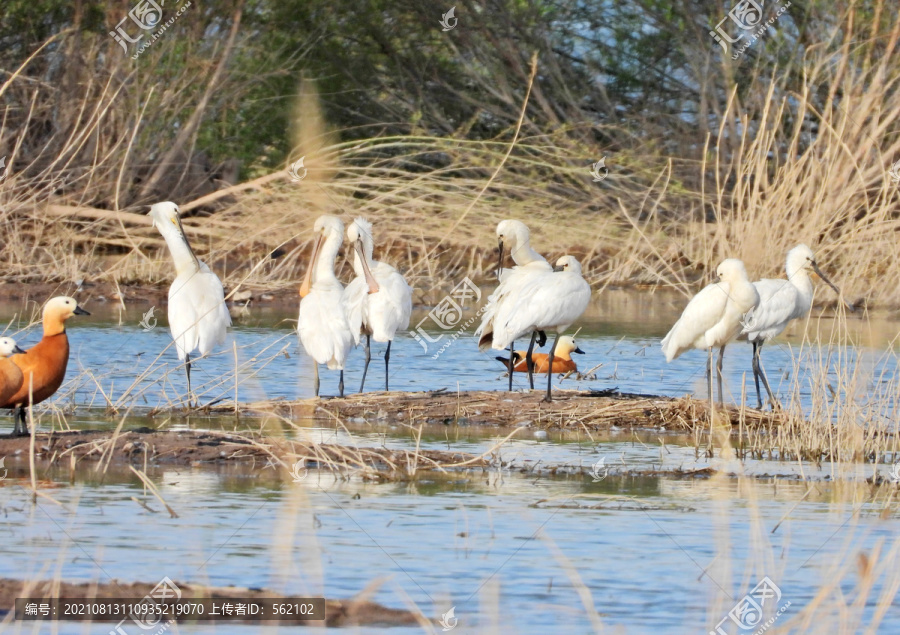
point(713, 317)
point(514, 235)
point(546, 301)
point(378, 301)
point(322, 325)
point(198, 317)
point(781, 301)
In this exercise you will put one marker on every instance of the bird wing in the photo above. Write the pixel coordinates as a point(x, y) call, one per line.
point(701, 314)
point(198, 316)
point(323, 327)
point(542, 301)
point(356, 306)
point(779, 303)
point(391, 306)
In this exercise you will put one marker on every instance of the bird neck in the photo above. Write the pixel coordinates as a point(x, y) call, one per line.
point(800, 279)
point(522, 254)
point(182, 254)
point(325, 264)
point(53, 324)
point(357, 263)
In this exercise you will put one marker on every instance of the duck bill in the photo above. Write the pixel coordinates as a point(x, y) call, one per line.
point(832, 285)
point(370, 279)
point(79, 311)
point(18, 350)
point(307, 280)
point(500, 260)
point(579, 351)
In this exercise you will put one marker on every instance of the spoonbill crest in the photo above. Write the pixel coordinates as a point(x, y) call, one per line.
point(378, 301)
point(198, 316)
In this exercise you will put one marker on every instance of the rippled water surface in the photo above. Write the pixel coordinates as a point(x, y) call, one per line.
point(512, 548)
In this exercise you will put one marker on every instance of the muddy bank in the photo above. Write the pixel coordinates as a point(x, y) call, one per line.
point(570, 409)
point(352, 612)
point(144, 446)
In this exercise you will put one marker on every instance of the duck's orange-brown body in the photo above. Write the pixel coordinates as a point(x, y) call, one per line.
point(10, 379)
point(46, 362)
point(541, 361)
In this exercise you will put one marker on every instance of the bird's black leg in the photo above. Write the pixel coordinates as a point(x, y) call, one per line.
point(542, 339)
point(759, 403)
point(719, 375)
point(529, 360)
point(368, 357)
point(387, 361)
point(341, 384)
point(316, 380)
point(187, 368)
point(512, 354)
point(548, 398)
point(762, 373)
point(709, 380)
point(20, 428)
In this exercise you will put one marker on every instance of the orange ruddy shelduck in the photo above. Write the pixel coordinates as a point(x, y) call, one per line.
point(562, 359)
point(44, 365)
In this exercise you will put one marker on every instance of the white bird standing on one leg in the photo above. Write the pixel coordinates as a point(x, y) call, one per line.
point(713, 318)
point(198, 317)
point(378, 301)
point(514, 235)
point(322, 324)
point(547, 301)
point(781, 301)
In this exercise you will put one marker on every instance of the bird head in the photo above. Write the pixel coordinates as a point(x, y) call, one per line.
point(359, 233)
point(802, 258)
point(8, 347)
point(568, 263)
point(731, 270)
point(325, 227)
point(567, 344)
point(511, 234)
point(166, 214)
point(57, 311)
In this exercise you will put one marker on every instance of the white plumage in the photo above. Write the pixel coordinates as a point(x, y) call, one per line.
point(198, 316)
point(322, 323)
point(714, 316)
point(378, 301)
point(781, 301)
point(514, 235)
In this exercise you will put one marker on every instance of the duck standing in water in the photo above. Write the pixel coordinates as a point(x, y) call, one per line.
point(43, 366)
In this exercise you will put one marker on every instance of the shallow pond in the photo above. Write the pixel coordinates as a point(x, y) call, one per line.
point(512, 548)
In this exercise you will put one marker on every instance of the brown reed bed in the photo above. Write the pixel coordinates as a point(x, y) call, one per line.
point(569, 410)
point(144, 446)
